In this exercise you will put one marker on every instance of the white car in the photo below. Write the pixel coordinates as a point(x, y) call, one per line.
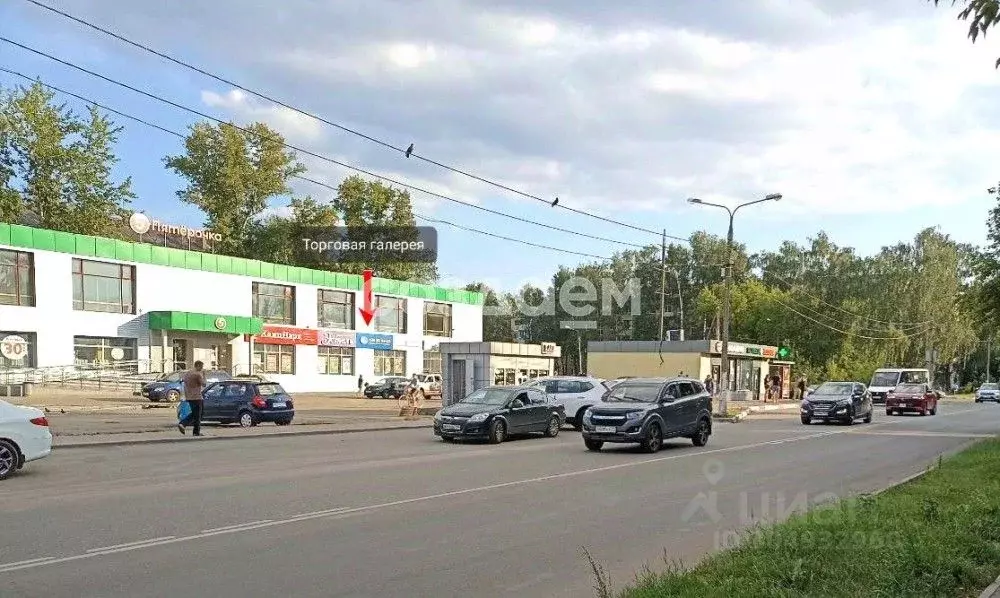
point(575, 393)
point(24, 436)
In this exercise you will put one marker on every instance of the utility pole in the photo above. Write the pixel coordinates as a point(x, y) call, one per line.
point(579, 352)
point(663, 280)
point(989, 343)
point(680, 300)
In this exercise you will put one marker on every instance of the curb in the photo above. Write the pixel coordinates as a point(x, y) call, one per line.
point(992, 590)
point(79, 445)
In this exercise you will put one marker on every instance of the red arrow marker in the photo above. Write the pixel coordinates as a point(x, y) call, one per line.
point(367, 313)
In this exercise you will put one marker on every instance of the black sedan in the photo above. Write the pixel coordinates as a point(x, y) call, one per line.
point(392, 387)
point(496, 412)
point(844, 402)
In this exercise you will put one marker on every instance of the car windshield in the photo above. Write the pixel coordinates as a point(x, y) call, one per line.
point(633, 393)
point(172, 377)
point(885, 379)
point(917, 377)
point(910, 389)
point(270, 389)
point(835, 388)
point(989, 386)
point(492, 396)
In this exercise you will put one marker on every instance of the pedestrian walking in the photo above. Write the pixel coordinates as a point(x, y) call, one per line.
point(710, 385)
point(361, 385)
point(194, 386)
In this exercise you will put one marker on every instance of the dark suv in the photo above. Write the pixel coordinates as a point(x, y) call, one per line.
point(647, 411)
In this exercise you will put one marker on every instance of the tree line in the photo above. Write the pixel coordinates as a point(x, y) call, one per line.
point(842, 314)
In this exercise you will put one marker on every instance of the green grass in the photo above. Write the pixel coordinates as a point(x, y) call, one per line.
point(938, 535)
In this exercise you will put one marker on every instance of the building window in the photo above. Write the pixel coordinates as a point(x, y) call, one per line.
point(390, 363)
point(336, 360)
point(98, 351)
point(390, 314)
point(432, 361)
point(104, 287)
point(28, 356)
point(335, 309)
point(274, 303)
point(437, 319)
point(17, 278)
point(274, 359)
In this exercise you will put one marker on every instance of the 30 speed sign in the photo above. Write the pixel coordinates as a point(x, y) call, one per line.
point(13, 347)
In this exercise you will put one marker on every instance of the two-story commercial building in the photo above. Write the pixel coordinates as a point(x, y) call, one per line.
point(90, 302)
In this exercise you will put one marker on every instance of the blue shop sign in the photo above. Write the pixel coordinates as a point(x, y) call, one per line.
point(374, 341)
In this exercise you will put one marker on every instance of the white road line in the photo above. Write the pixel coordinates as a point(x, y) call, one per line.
point(923, 434)
point(338, 512)
point(31, 561)
point(238, 526)
point(132, 544)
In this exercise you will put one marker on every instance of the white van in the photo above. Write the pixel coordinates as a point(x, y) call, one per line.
point(887, 379)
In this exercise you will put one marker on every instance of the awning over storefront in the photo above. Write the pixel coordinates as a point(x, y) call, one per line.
point(194, 322)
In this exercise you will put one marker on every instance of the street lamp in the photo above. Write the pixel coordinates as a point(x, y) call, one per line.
point(727, 289)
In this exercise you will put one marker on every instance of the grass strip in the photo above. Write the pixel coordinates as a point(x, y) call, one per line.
point(937, 535)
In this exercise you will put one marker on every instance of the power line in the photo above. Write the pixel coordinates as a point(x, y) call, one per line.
point(854, 334)
point(408, 152)
point(300, 177)
point(321, 157)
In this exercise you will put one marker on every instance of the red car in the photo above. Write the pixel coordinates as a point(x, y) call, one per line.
point(918, 398)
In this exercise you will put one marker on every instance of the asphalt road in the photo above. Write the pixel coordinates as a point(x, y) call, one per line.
point(402, 514)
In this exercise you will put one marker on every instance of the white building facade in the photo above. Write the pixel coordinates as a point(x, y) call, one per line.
point(88, 302)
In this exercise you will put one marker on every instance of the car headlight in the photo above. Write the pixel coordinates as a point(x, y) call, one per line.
point(479, 417)
point(634, 414)
point(844, 403)
point(437, 416)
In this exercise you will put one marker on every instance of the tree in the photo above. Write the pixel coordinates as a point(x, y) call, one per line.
point(233, 173)
point(498, 314)
point(57, 166)
point(279, 238)
point(370, 204)
point(982, 15)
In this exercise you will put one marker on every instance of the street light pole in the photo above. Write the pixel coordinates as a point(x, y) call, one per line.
point(680, 301)
point(727, 293)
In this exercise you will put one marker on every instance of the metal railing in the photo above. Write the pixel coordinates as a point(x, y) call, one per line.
point(118, 375)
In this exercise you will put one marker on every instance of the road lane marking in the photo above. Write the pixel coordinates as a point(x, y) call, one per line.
point(132, 544)
point(32, 561)
point(237, 526)
point(339, 512)
point(916, 433)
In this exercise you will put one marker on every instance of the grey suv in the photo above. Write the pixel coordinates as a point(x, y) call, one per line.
point(648, 411)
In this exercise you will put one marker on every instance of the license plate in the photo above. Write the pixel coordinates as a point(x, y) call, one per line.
point(451, 427)
point(606, 429)
point(279, 405)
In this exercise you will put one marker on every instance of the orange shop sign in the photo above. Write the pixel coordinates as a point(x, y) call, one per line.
point(283, 335)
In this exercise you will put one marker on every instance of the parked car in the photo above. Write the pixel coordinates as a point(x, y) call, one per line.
point(247, 403)
point(988, 392)
point(170, 387)
point(575, 393)
point(920, 398)
point(497, 412)
point(24, 437)
point(647, 411)
point(391, 387)
point(430, 384)
point(845, 402)
point(252, 377)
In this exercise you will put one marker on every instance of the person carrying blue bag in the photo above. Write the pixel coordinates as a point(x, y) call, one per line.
point(194, 386)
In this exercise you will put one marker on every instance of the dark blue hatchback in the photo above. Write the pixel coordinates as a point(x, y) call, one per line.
point(247, 403)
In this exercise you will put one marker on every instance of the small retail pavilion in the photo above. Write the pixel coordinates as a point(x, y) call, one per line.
point(466, 367)
point(749, 364)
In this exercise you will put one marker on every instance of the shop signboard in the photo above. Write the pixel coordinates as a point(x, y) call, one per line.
point(762, 351)
point(14, 347)
point(284, 335)
point(336, 338)
point(548, 348)
point(366, 340)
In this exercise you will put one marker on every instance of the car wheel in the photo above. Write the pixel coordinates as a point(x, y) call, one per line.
point(593, 445)
point(578, 421)
point(850, 419)
point(654, 438)
point(173, 396)
point(246, 419)
point(10, 459)
point(868, 418)
point(448, 438)
point(888, 412)
point(554, 424)
point(806, 421)
point(701, 435)
point(498, 431)
point(283, 422)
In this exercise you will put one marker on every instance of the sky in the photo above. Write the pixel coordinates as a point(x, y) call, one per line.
point(874, 120)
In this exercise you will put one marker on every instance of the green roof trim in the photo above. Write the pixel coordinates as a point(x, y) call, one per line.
point(194, 322)
point(27, 237)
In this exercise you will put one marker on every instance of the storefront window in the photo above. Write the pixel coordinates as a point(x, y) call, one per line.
point(104, 287)
point(274, 359)
point(432, 361)
point(336, 360)
point(390, 363)
point(336, 309)
point(28, 361)
point(274, 303)
point(97, 351)
point(437, 319)
point(390, 314)
point(17, 280)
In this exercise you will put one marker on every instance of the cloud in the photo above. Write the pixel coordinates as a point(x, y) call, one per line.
point(845, 107)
